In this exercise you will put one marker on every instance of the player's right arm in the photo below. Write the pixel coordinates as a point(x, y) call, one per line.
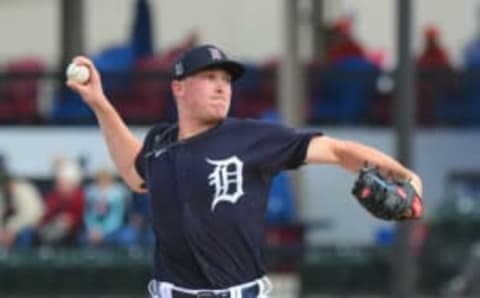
point(122, 144)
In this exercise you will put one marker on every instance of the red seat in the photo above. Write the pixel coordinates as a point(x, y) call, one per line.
point(148, 96)
point(19, 96)
point(145, 99)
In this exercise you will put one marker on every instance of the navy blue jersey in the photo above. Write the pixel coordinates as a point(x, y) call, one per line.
point(208, 198)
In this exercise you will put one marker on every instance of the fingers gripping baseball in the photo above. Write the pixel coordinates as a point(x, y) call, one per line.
point(87, 85)
point(78, 73)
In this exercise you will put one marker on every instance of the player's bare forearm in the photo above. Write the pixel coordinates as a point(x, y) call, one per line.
point(353, 156)
point(122, 145)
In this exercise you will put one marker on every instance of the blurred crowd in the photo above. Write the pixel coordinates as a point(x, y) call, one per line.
point(73, 210)
point(69, 211)
point(349, 84)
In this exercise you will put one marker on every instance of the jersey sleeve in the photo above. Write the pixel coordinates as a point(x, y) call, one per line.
point(282, 147)
point(140, 159)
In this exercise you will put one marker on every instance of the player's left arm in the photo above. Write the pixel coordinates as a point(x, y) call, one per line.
point(353, 156)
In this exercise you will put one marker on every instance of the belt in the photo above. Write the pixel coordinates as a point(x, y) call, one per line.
point(250, 292)
point(257, 288)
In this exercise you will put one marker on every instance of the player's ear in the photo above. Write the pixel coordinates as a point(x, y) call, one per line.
point(177, 87)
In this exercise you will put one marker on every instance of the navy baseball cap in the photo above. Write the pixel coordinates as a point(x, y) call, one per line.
point(203, 58)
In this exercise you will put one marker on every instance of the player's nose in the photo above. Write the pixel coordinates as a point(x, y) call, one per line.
point(220, 87)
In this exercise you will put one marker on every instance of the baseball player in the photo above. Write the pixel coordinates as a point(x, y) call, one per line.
point(208, 177)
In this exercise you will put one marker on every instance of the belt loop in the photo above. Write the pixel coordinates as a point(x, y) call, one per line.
point(166, 290)
point(153, 289)
point(261, 287)
point(236, 292)
point(265, 287)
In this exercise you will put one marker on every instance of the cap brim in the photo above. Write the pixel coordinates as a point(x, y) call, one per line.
point(235, 69)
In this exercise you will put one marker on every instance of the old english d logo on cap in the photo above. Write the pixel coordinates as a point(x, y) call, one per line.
point(215, 54)
point(178, 69)
point(205, 57)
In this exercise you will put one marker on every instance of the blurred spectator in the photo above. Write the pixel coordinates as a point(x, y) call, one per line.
point(345, 87)
point(343, 44)
point(435, 80)
point(282, 230)
point(105, 207)
point(139, 219)
point(433, 53)
point(256, 92)
point(247, 101)
point(21, 209)
point(434, 68)
point(345, 92)
point(65, 203)
point(280, 206)
point(380, 58)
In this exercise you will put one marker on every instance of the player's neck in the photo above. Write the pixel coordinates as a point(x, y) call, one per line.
point(188, 129)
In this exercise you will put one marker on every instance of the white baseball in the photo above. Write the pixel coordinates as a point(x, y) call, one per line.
point(78, 73)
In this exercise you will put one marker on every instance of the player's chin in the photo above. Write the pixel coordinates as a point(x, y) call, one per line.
point(214, 118)
point(219, 113)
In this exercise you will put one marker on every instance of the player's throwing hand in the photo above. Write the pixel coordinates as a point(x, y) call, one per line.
point(91, 91)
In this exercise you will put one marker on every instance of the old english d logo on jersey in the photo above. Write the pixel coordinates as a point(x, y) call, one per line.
point(227, 178)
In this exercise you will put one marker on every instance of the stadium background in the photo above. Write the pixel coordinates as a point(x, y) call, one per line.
point(331, 246)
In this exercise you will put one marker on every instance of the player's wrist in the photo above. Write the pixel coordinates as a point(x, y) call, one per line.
point(102, 105)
